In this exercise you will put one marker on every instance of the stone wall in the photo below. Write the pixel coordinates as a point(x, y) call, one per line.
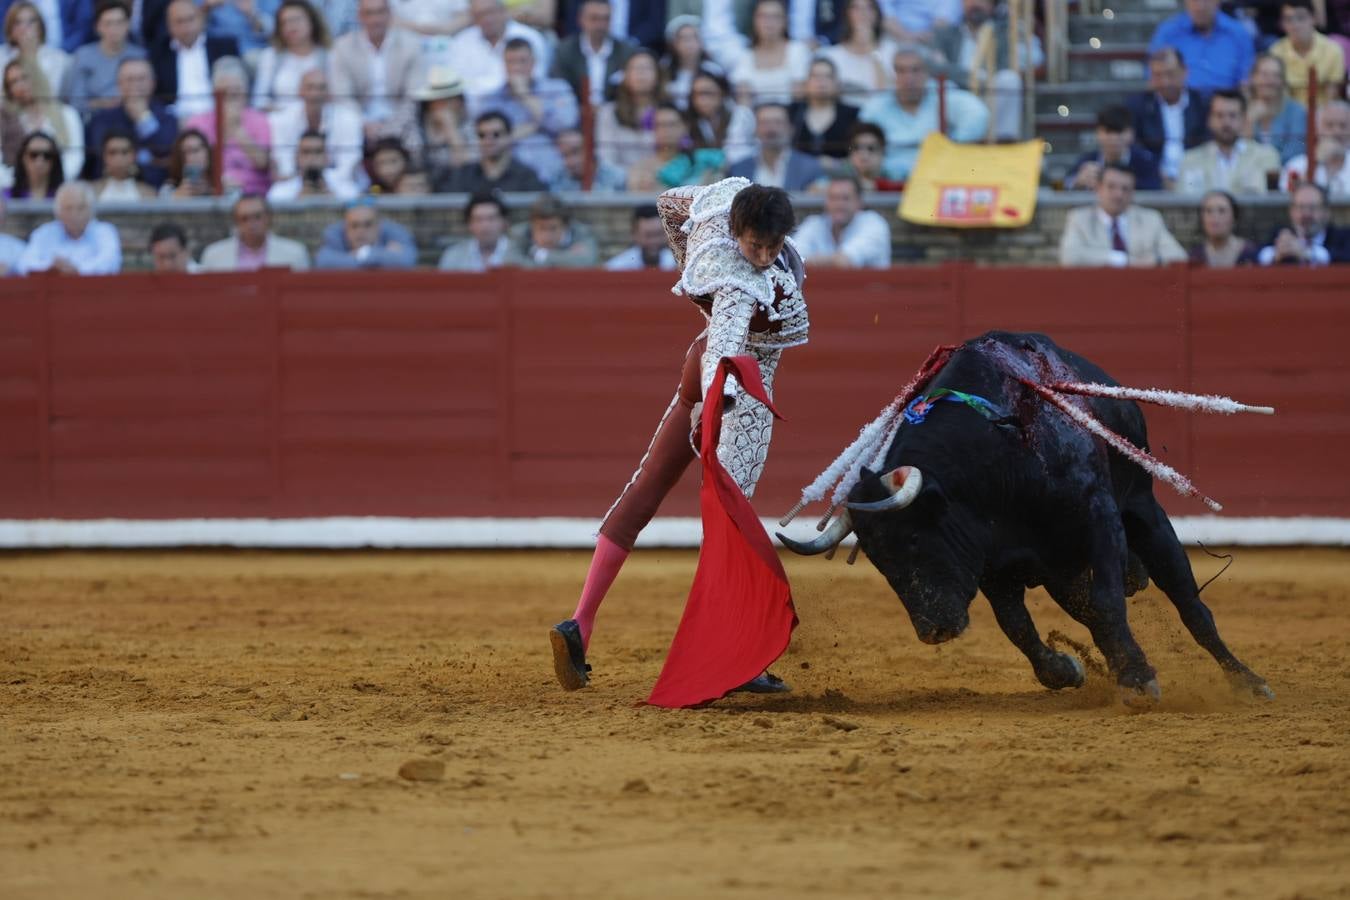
point(437, 220)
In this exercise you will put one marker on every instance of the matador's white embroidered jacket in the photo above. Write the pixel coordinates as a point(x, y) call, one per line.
point(759, 313)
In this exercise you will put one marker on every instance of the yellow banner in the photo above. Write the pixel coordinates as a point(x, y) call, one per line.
point(973, 185)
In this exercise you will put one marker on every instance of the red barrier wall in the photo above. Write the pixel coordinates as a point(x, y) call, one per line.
point(534, 393)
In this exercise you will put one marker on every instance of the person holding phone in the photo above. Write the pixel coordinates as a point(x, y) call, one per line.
point(189, 173)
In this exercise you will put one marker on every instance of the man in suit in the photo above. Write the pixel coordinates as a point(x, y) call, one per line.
point(387, 109)
point(630, 21)
point(1115, 143)
point(1310, 239)
point(592, 54)
point(253, 245)
point(1169, 118)
point(1228, 162)
point(777, 164)
point(1115, 232)
point(183, 62)
point(365, 240)
point(140, 115)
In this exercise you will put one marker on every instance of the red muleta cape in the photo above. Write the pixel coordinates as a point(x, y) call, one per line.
point(739, 616)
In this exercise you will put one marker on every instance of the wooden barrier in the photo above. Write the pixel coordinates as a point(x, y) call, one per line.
point(535, 393)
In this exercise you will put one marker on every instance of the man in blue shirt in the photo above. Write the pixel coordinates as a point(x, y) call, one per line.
point(1219, 50)
point(75, 243)
point(365, 240)
point(539, 109)
point(910, 113)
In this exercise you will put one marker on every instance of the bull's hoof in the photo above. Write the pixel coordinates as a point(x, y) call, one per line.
point(1145, 696)
point(1061, 670)
point(1252, 684)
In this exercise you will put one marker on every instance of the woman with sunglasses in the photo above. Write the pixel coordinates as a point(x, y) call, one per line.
point(38, 170)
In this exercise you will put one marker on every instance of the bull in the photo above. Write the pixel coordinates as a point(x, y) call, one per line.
point(1002, 493)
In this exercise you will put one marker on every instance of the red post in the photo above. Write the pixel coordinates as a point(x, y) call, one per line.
point(587, 135)
point(1310, 140)
point(942, 104)
point(218, 151)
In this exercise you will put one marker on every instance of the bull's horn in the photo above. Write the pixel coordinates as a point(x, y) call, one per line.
point(903, 483)
point(826, 540)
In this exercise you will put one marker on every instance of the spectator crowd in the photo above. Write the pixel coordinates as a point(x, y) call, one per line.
point(275, 102)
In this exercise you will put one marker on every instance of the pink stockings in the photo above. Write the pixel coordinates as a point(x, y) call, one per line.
point(668, 456)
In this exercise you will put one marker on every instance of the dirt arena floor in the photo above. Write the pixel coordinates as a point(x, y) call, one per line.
point(233, 725)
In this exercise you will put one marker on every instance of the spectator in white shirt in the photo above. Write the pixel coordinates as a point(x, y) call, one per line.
point(1333, 138)
point(650, 248)
point(299, 45)
point(76, 242)
point(477, 52)
point(11, 248)
point(845, 235)
point(337, 120)
point(314, 174)
point(774, 67)
point(169, 250)
point(487, 246)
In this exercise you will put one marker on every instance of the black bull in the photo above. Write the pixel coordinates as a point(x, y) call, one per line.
point(1020, 497)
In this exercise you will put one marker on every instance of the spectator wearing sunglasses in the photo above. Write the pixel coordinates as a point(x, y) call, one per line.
point(497, 169)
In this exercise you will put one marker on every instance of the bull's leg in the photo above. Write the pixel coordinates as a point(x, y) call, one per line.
point(1100, 605)
point(1054, 670)
point(1152, 537)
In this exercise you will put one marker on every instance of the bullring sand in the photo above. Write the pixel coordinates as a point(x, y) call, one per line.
point(234, 725)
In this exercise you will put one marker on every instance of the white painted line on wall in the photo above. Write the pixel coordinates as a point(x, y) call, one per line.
point(378, 532)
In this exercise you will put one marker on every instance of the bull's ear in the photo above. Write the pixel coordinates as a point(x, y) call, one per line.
point(932, 500)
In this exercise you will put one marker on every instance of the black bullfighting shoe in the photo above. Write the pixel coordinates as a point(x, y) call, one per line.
point(765, 683)
point(569, 655)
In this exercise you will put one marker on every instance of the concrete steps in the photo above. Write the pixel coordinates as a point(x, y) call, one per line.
point(1084, 97)
point(1108, 62)
point(1118, 28)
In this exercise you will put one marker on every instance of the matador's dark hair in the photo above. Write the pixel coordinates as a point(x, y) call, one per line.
point(763, 211)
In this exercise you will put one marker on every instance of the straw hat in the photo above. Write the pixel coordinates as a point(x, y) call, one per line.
point(442, 82)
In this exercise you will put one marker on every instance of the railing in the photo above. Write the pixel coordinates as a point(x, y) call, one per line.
point(1057, 41)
